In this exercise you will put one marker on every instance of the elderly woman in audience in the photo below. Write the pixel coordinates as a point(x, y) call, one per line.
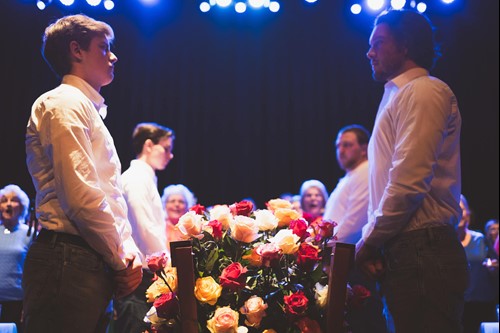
point(313, 196)
point(14, 242)
point(177, 199)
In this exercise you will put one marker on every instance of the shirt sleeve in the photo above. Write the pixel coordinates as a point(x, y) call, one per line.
point(149, 230)
point(68, 140)
point(419, 118)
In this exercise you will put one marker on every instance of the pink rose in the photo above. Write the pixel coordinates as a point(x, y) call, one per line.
point(225, 320)
point(270, 254)
point(156, 262)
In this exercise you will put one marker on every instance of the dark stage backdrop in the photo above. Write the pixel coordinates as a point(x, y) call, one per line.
point(256, 99)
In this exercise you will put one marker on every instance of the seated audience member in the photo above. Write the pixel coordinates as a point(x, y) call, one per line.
point(313, 196)
point(491, 234)
point(480, 296)
point(14, 243)
point(177, 199)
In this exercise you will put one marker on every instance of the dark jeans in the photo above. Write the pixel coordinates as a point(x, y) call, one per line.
point(67, 288)
point(425, 280)
point(131, 310)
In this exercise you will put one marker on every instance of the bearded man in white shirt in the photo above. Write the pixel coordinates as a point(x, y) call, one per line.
point(152, 145)
point(410, 243)
point(348, 206)
point(84, 254)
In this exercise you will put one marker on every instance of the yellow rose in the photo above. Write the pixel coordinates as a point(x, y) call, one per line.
point(278, 203)
point(244, 229)
point(190, 224)
point(321, 295)
point(225, 320)
point(287, 241)
point(159, 287)
point(285, 216)
point(222, 213)
point(206, 290)
point(254, 309)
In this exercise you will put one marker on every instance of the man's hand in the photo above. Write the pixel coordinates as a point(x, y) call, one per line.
point(129, 278)
point(369, 260)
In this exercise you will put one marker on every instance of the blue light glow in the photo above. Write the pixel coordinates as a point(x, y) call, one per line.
point(398, 4)
point(421, 7)
point(240, 7)
point(109, 4)
point(204, 6)
point(94, 2)
point(375, 4)
point(274, 6)
point(223, 3)
point(256, 3)
point(67, 2)
point(40, 4)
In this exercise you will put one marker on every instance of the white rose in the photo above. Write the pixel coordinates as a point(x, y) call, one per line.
point(265, 219)
point(190, 224)
point(286, 240)
point(222, 213)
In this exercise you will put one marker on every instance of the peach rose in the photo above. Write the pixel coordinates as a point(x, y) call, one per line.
point(286, 240)
point(244, 229)
point(206, 290)
point(285, 216)
point(265, 219)
point(222, 213)
point(159, 287)
point(225, 320)
point(253, 258)
point(275, 204)
point(254, 309)
point(190, 224)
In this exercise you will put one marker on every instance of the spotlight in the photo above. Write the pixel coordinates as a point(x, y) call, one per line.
point(67, 2)
point(256, 3)
point(311, 1)
point(421, 7)
point(448, 1)
point(204, 6)
point(240, 7)
point(274, 6)
point(109, 4)
point(356, 8)
point(94, 2)
point(42, 4)
point(398, 4)
point(375, 4)
point(223, 3)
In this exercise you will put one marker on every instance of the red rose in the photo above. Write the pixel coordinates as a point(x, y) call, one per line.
point(166, 306)
point(233, 276)
point(244, 208)
point(296, 303)
point(359, 295)
point(198, 209)
point(299, 228)
point(216, 228)
point(307, 256)
point(156, 262)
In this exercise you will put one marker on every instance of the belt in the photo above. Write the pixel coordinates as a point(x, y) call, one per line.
point(431, 233)
point(53, 237)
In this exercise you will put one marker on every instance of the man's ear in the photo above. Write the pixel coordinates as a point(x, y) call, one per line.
point(75, 50)
point(148, 144)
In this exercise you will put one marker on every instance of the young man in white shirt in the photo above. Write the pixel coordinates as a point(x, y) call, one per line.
point(152, 145)
point(84, 254)
point(409, 243)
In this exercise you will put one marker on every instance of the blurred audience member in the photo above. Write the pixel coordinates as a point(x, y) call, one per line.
point(14, 243)
point(177, 199)
point(313, 196)
point(481, 295)
point(491, 234)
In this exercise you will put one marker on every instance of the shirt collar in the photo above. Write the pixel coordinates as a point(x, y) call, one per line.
point(88, 91)
point(407, 76)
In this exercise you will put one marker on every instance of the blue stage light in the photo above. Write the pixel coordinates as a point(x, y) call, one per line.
point(94, 2)
point(375, 4)
point(67, 2)
point(422, 7)
point(240, 7)
point(398, 4)
point(274, 6)
point(109, 4)
point(204, 6)
point(356, 9)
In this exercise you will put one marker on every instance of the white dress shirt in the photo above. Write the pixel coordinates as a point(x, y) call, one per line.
point(348, 204)
point(76, 171)
point(414, 156)
point(145, 211)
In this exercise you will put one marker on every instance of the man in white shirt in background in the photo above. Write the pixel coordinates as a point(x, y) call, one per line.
point(152, 144)
point(348, 206)
point(84, 254)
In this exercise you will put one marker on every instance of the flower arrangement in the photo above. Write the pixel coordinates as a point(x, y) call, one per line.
point(256, 271)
